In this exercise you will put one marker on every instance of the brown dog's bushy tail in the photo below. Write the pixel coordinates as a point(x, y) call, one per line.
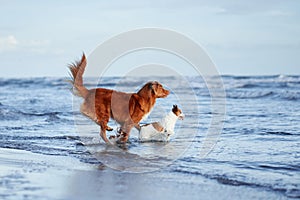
point(76, 71)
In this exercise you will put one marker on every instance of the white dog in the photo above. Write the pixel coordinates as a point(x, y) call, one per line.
point(161, 131)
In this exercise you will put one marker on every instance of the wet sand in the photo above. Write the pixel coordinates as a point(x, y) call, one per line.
point(26, 175)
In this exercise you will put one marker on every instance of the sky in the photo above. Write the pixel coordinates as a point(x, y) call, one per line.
point(39, 38)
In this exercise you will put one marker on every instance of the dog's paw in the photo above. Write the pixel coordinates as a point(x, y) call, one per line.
point(112, 137)
point(109, 128)
point(122, 139)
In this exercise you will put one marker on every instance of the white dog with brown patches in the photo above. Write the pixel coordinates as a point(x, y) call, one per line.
point(161, 131)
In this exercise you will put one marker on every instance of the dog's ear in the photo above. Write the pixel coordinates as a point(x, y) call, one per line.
point(150, 84)
point(175, 108)
point(153, 87)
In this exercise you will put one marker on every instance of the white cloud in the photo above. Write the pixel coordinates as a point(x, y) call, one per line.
point(8, 43)
point(11, 43)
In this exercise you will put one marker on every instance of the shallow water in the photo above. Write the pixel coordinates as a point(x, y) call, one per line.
point(256, 156)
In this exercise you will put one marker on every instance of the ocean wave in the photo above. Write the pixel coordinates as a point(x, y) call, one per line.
point(279, 133)
point(245, 81)
point(96, 85)
point(279, 166)
point(289, 190)
point(63, 145)
point(247, 85)
point(261, 85)
point(90, 82)
point(262, 82)
point(249, 95)
point(261, 77)
point(290, 95)
point(280, 95)
point(48, 138)
point(8, 113)
point(39, 82)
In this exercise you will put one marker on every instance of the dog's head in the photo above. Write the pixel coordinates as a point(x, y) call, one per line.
point(158, 90)
point(177, 112)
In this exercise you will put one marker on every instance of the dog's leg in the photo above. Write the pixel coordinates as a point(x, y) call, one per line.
point(125, 131)
point(85, 110)
point(103, 132)
point(103, 135)
point(137, 126)
point(158, 126)
point(106, 127)
point(123, 138)
point(102, 117)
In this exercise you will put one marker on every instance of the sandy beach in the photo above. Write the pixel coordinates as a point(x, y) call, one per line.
point(26, 175)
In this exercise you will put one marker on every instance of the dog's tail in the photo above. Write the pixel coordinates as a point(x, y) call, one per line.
point(76, 71)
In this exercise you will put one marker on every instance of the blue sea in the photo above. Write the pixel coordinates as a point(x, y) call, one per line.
point(48, 150)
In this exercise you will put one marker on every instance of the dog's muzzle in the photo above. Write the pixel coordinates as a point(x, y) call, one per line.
point(181, 116)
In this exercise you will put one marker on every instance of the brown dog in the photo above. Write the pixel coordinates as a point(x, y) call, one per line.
point(101, 104)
